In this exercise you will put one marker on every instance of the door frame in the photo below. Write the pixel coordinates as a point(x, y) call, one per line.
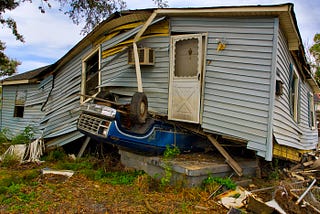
point(204, 41)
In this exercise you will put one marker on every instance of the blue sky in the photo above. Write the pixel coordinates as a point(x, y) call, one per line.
point(51, 35)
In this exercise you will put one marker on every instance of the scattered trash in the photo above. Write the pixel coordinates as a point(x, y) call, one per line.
point(17, 151)
point(234, 198)
point(274, 204)
point(67, 173)
point(34, 151)
point(26, 152)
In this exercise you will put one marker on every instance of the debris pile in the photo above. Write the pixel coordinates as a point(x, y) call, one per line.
point(296, 192)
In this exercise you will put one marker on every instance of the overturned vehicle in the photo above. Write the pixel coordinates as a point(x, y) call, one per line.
point(135, 131)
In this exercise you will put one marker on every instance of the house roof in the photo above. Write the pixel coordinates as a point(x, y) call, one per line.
point(284, 12)
point(26, 77)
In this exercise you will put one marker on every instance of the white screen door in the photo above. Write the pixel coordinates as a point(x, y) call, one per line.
point(185, 78)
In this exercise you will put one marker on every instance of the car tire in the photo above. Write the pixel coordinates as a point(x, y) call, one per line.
point(139, 108)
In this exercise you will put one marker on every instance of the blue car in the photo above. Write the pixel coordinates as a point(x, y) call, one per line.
point(107, 125)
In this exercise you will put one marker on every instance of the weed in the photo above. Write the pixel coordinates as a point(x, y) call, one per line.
point(169, 153)
point(10, 161)
point(25, 137)
point(165, 180)
point(227, 182)
point(4, 133)
point(124, 178)
point(274, 166)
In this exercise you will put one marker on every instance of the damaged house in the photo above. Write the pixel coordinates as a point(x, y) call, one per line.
point(236, 73)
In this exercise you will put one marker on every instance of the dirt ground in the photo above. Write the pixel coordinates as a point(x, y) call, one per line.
point(25, 189)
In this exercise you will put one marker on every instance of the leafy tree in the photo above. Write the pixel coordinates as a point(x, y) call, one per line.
point(315, 52)
point(7, 65)
point(91, 12)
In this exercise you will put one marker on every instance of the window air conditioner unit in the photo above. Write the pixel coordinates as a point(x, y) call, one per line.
point(146, 56)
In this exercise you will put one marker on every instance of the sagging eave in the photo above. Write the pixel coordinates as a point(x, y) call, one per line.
point(285, 13)
point(113, 21)
point(17, 82)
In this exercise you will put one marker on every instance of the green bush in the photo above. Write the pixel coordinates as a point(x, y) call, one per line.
point(4, 133)
point(227, 182)
point(25, 137)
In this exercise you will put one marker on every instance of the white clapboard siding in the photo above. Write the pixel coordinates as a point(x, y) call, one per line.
point(117, 73)
point(288, 132)
point(32, 110)
point(237, 79)
point(63, 106)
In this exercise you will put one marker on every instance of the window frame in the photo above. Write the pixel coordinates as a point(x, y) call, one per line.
point(84, 99)
point(311, 111)
point(19, 107)
point(294, 95)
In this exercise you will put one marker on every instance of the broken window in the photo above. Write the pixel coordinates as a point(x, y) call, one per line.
point(311, 112)
point(19, 104)
point(90, 75)
point(294, 93)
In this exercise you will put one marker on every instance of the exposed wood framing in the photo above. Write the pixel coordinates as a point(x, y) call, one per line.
point(233, 164)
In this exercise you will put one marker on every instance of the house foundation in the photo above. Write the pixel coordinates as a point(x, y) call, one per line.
point(187, 169)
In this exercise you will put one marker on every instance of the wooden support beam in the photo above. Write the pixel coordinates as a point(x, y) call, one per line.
point(83, 147)
point(135, 50)
point(137, 64)
point(232, 163)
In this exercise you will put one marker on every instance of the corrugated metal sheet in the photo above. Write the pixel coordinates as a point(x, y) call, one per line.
point(116, 73)
point(237, 79)
point(286, 131)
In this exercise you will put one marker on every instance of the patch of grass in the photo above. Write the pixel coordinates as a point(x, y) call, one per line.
point(55, 155)
point(4, 133)
point(10, 161)
point(116, 178)
point(274, 166)
point(226, 182)
point(75, 165)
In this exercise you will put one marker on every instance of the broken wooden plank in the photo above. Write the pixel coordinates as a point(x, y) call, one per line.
point(232, 163)
point(306, 164)
point(305, 192)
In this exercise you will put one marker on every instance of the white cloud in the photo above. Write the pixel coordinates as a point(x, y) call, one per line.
point(48, 36)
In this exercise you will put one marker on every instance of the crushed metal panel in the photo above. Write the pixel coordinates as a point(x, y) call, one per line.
point(63, 139)
point(159, 27)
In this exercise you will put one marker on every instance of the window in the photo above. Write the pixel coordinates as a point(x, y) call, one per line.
point(294, 94)
point(311, 113)
point(186, 58)
point(19, 104)
point(90, 75)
